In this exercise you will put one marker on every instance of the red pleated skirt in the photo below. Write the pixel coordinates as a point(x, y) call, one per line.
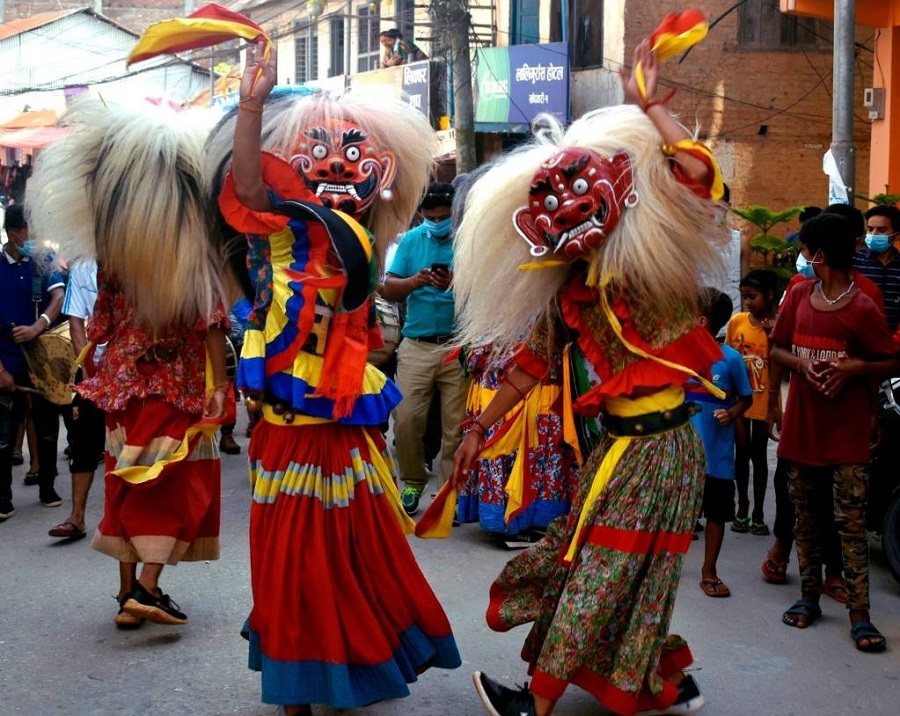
point(342, 614)
point(174, 516)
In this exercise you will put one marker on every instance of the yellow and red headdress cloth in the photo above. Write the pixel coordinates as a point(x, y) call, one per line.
point(679, 32)
point(206, 27)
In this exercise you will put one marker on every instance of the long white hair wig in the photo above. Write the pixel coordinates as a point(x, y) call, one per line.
point(125, 187)
point(395, 126)
point(656, 254)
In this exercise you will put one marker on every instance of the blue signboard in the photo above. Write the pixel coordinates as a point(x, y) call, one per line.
point(514, 84)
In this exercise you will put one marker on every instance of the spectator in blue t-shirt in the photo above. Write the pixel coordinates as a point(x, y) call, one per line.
point(716, 424)
point(421, 273)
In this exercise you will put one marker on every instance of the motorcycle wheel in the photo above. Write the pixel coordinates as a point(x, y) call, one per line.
point(890, 535)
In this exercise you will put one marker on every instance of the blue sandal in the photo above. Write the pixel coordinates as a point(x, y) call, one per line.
point(864, 629)
point(810, 611)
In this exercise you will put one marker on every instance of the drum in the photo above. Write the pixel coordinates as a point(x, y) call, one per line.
point(387, 316)
point(51, 363)
point(231, 360)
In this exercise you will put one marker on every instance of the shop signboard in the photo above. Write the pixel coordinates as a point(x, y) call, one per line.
point(516, 83)
point(410, 82)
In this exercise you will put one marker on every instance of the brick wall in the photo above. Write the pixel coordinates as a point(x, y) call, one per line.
point(787, 92)
point(133, 14)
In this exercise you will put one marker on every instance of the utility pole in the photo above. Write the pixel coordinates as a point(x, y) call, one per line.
point(842, 147)
point(454, 16)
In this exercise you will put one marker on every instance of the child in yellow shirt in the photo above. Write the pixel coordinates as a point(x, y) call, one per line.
point(747, 333)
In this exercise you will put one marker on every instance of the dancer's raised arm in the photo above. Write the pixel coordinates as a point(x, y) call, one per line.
point(256, 84)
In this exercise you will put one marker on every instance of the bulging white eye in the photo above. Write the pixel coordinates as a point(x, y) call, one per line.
point(352, 154)
point(551, 202)
point(320, 151)
point(580, 186)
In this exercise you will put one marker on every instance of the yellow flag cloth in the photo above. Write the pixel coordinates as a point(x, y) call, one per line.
point(437, 522)
point(677, 33)
point(210, 25)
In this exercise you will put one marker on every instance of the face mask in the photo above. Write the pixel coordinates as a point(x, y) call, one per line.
point(438, 229)
point(28, 248)
point(804, 267)
point(878, 243)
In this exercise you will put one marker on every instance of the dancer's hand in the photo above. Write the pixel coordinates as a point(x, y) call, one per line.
point(215, 404)
point(465, 455)
point(647, 59)
point(259, 75)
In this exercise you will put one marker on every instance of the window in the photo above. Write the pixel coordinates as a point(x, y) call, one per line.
point(306, 52)
point(761, 26)
point(368, 47)
point(584, 32)
point(336, 30)
point(525, 25)
point(404, 16)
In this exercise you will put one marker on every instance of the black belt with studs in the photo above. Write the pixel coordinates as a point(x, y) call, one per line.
point(650, 423)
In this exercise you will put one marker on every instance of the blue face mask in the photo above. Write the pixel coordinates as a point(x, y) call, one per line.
point(28, 248)
point(437, 229)
point(804, 267)
point(878, 243)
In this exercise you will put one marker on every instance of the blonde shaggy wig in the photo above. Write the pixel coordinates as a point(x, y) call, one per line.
point(394, 125)
point(125, 187)
point(657, 253)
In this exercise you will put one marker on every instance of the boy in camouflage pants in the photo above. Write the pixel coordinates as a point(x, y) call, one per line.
point(836, 341)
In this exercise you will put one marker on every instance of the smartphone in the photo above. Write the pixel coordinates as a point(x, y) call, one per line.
point(440, 268)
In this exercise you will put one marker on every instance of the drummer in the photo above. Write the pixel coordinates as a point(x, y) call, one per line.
point(27, 308)
point(420, 273)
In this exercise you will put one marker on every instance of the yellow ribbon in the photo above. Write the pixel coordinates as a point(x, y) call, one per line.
point(617, 329)
point(382, 468)
point(570, 435)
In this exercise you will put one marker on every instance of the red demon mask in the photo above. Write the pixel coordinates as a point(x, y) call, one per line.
point(344, 167)
point(575, 201)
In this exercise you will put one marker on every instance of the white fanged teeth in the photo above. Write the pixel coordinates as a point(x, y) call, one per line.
point(337, 189)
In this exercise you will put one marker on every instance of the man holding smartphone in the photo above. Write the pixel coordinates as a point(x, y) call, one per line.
point(421, 273)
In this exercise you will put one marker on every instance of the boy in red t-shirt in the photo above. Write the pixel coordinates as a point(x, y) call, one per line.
point(833, 337)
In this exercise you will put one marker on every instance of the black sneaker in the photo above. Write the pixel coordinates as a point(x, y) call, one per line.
point(6, 510)
point(501, 701)
point(31, 478)
point(49, 498)
point(689, 700)
point(159, 610)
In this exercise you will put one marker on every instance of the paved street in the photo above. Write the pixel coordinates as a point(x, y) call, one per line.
point(60, 654)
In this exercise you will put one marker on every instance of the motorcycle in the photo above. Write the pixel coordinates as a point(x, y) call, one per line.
point(883, 510)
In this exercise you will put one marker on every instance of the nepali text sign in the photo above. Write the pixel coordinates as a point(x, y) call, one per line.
point(411, 82)
point(514, 84)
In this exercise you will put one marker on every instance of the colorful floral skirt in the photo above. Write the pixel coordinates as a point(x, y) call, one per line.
point(342, 614)
point(602, 621)
point(174, 516)
point(551, 475)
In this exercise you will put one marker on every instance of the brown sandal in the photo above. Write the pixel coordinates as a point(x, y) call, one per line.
point(714, 587)
point(67, 530)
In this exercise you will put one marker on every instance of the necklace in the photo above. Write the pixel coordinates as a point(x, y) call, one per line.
point(830, 301)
